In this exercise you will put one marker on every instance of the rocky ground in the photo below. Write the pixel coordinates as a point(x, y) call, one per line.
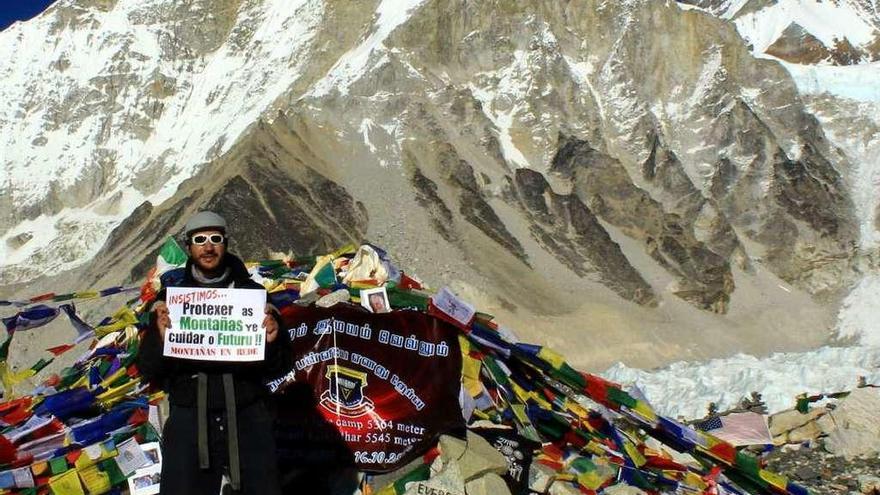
point(825, 473)
point(833, 447)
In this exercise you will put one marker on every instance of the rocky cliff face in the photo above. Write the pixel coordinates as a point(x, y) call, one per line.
point(625, 168)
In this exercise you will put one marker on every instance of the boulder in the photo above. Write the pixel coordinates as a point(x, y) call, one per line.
point(805, 433)
point(488, 484)
point(869, 485)
point(792, 419)
point(446, 479)
point(563, 488)
point(853, 428)
point(540, 477)
point(475, 456)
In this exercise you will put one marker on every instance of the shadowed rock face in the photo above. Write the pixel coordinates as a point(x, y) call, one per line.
point(565, 226)
point(269, 206)
point(703, 276)
point(797, 46)
point(473, 206)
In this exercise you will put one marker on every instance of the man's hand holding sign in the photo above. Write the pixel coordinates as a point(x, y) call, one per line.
point(216, 324)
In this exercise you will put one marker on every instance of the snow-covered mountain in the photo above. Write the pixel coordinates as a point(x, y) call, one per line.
point(624, 169)
point(832, 51)
point(838, 32)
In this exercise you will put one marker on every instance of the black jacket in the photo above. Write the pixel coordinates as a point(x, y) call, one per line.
point(177, 376)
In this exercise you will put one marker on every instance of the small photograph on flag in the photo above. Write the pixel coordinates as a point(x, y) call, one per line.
point(739, 429)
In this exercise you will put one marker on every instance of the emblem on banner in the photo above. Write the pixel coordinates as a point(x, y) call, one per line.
point(345, 392)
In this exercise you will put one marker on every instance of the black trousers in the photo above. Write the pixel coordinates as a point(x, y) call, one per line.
point(181, 474)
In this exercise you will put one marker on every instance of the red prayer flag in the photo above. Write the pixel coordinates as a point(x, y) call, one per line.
point(658, 462)
point(408, 282)
point(597, 389)
point(724, 451)
point(7, 451)
point(60, 349)
point(139, 416)
point(43, 297)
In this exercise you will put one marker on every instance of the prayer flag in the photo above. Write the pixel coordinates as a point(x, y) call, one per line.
point(33, 317)
point(83, 330)
point(450, 305)
point(66, 484)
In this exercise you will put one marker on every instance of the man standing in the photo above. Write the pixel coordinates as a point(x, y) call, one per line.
point(219, 425)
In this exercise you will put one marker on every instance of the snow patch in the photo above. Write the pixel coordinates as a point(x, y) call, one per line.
point(860, 312)
point(503, 121)
point(854, 82)
point(389, 15)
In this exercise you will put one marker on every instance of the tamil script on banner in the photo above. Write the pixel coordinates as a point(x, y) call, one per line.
point(216, 324)
point(380, 388)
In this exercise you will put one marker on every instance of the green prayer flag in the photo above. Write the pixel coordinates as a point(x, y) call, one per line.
point(402, 298)
point(618, 396)
point(58, 465)
point(747, 463)
point(110, 467)
point(171, 252)
point(4, 348)
point(326, 276)
point(42, 363)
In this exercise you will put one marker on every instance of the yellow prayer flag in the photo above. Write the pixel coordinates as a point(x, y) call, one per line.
point(774, 479)
point(8, 380)
point(83, 462)
point(119, 321)
point(96, 481)
point(595, 448)
point(347, 249)
point(470, 376)
point(552, 357)
point(576, 409)
point(113, 377)
point(82, 381)
point(114, 395)
point(519, 411)
point(644, 410)
point(634, 454)
point(694, 480)
point(592, 480)
point(519, 392)
point(39, 468)
point(66, 483)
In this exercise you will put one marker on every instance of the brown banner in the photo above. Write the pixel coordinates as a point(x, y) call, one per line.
point(375, 388)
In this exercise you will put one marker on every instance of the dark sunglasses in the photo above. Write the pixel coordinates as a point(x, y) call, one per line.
point(201, 239)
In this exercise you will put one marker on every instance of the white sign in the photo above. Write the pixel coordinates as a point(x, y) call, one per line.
point(452, 306)
point(130, 456)
point(216, 324)
point(146, 480)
